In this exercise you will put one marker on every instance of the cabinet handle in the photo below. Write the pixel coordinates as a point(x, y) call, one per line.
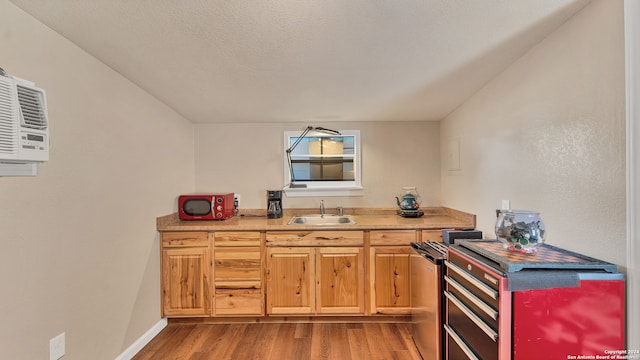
point(473, 317)
point(474, 299)
point(477, 283)
point(458, 340)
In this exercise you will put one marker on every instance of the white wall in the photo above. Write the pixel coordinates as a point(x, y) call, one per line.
point(632, 67)
point(549, 135)
point(248, 159)
point(80, 252)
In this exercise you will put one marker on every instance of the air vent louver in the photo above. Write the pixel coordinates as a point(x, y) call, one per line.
point(32, 107)
point(24, 128)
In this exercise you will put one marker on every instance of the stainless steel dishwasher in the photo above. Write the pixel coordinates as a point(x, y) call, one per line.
point(426, 296)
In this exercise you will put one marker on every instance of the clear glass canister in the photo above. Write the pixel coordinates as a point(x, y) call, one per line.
point(520, 230)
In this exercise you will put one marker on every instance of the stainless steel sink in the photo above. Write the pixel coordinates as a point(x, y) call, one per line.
point(318, 219)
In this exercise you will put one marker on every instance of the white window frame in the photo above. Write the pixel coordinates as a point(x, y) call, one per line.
point(325, 188)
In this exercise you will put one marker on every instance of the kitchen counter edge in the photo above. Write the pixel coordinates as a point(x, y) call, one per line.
point(366, 219)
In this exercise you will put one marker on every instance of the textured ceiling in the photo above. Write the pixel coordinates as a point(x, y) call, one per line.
point(306, 60)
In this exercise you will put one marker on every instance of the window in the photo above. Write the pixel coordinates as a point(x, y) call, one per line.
point(322, 164)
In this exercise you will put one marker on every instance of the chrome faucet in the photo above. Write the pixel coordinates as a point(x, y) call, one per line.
point(321, 208)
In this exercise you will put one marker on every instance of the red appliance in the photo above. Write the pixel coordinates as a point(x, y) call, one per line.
point(206, 206)
point(496, 311)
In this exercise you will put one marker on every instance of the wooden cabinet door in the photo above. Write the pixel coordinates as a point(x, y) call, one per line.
point(390, 279)
point(340, 280)
point(185, 281)
point(290, 275)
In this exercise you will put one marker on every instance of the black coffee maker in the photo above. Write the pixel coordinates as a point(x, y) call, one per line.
point(274, 204)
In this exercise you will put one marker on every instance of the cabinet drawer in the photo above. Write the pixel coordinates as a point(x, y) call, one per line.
point(238, 284)
point(392, 237)
point(239, 302)
point(315, 238)
point(472, 275)
point(237, 263)
point(185, 239)
point(432, 235)
point(236, 238)
point(481, 338)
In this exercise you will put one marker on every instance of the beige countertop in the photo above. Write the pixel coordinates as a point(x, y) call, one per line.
point(366, 219)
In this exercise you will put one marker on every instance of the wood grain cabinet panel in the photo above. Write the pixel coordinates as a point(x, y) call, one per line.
point(185, 239)
point(237, 263)
point(237, 268)
point(315, 238)
point(432, 235)
point(239, 302)
point(237, 238)
point(390, 271)
point(185, 272)
point(290, 276)
point(340, 280)
point(315, 272)
point(392, 237)
point(392, 280)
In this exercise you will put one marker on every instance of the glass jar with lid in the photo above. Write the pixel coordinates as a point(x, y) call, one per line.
point(520, 230)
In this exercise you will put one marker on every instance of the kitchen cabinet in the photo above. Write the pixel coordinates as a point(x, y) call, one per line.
point(390, 271)
point(237, 273)
point(340, 280)
point(185, 272)
point(256, 267)
point(290, 279)
point(432, 235)
point(315, 272)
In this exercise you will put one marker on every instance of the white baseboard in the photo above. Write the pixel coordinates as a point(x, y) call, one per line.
point(143, 340)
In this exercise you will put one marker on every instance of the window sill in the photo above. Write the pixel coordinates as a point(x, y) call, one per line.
point(324, 191)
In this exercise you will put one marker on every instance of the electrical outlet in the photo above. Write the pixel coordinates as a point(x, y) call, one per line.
point(57, 347)
point(237, 200)
point(506, 205)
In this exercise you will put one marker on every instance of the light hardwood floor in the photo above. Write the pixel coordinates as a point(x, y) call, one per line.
point(282, 341)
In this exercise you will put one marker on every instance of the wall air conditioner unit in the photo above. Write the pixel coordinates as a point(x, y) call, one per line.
point(24, 127)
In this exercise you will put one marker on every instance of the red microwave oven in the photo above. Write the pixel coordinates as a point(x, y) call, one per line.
point(206, 206)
